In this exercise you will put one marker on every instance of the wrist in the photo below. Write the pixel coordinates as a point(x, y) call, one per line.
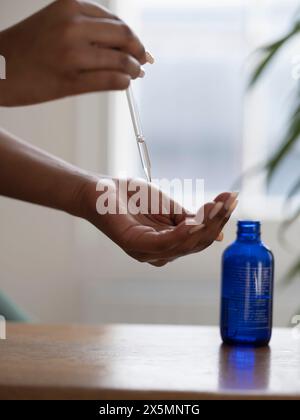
point(85, 205)
point(80, 200)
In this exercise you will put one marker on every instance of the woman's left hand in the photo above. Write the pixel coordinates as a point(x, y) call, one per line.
point(155, 238)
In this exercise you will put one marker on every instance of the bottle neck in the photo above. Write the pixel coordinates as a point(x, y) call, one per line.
point(248, 237)
point(249, 232)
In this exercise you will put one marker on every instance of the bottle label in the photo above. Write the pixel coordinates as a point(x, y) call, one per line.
point(247, 297)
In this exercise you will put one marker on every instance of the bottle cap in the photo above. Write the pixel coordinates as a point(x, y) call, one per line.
point(248, 226)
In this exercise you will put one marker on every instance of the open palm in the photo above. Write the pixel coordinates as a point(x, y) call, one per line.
point(165, 236)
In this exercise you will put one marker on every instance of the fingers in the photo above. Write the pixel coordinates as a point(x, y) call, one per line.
point(178, 212)
point(92, 9)
point(220, 238)
point(223, 207)
point(165, 245)
point(216, 219)
point(192, 239)
point(149, 57)
point(160, 247)
point(227, 198)
point(230, 205)
point(159, 263)
point(94, 40)
point(161, 244)
point(165, 206)
point(107, 59)
point(97, 81)
point(223, 197)
point(201, 236)
point(112, 33)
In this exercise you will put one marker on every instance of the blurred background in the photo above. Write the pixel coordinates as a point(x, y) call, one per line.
point(200, 122)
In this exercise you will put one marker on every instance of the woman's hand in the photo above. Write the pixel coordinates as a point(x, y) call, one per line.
point(68, 48)
point(155, 238)
point(143, 221)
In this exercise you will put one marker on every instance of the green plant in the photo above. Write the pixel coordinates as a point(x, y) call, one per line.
point(292, 135)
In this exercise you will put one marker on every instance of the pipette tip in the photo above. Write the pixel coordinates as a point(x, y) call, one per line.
point(148, 175)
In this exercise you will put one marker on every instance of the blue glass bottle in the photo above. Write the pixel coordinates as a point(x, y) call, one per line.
point(247, 289)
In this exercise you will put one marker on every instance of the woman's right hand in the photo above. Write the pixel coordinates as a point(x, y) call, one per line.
point(70, 47)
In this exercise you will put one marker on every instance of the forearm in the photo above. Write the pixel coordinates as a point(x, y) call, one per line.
point(30, 174)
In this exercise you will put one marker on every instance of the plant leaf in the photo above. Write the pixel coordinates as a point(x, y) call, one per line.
point(287, 223)
point(269, 52)
point(285, 148)
point(291, 220)
point(294, 190)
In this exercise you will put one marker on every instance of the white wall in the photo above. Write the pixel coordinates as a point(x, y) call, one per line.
point(60, 269)
point(37, 245)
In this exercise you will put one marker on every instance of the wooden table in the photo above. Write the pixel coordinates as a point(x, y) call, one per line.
point(143, 362)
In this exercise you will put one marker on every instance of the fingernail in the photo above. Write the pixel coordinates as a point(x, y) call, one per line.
point(231, 200)
point(220, 238)
point(191, 221)
point(196, 229)
point(216, 210)
point(150, 58)
point(142, 73)
point(231, 209)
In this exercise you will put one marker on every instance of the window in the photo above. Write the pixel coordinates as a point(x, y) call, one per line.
point(198, 120)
